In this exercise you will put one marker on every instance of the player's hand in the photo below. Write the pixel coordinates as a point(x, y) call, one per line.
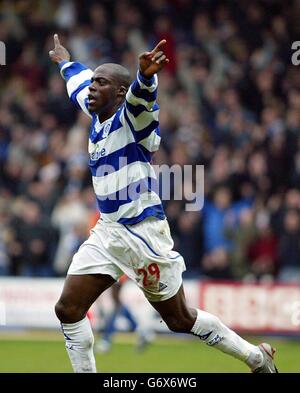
point(59, 53)
point(152, 62)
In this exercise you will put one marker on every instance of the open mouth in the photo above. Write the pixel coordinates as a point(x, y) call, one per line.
point(91, 99)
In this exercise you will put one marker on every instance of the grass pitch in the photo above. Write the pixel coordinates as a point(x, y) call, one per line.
point(33, 352)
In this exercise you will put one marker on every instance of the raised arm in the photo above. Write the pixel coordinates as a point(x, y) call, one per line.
point(143, 90)
point(77, 76)
point(141, 108)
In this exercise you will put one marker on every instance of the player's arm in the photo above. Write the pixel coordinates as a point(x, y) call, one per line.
point(77, 76)
point(141, 108)
point(142, 94)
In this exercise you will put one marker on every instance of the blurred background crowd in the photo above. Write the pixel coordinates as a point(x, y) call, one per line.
point(229, 98)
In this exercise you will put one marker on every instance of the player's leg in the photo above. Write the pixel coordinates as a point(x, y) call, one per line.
point(160, 277)
point(209, 328)
point(79, 293)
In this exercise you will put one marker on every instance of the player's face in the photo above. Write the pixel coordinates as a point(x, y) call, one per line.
point(102, 91)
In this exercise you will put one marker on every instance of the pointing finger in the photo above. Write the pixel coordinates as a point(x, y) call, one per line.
point(56, 40)
point(161, 43)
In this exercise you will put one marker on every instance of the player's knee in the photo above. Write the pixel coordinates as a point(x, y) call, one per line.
point(68, 313)
point(61, 311)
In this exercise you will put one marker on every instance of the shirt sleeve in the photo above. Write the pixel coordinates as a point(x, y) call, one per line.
point(142, 111)
point(78, 78)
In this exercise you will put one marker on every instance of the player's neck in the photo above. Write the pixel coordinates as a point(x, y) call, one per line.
point(106, 113)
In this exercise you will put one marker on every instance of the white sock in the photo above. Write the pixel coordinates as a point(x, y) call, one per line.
point(79, 343)
point(213, 332)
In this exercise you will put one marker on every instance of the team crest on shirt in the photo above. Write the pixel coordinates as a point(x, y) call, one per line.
point(106, 129)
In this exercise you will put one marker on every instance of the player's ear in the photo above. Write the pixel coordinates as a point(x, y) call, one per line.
point(122, 91)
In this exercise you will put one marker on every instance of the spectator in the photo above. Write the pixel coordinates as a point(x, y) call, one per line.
point(34, 238)
point(263, 251)
point(4, 216)
point(289, 248)
point(70, 217)
point(241, 239)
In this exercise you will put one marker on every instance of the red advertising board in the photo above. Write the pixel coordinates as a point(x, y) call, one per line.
point(253, 308)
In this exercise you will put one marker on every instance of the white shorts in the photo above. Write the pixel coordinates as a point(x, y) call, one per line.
point(142, 251)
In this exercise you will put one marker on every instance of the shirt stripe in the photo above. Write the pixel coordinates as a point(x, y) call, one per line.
point(117, 180)
point(118, 159)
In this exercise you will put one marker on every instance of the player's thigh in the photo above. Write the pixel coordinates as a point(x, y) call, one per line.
point(81, 291)
point(175, 311)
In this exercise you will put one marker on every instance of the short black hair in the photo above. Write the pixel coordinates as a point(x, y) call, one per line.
point(120, 73)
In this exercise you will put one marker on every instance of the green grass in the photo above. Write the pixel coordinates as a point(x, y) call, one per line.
point(45, 352)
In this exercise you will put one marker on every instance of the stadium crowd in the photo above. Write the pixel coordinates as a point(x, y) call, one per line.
point(229, 98)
